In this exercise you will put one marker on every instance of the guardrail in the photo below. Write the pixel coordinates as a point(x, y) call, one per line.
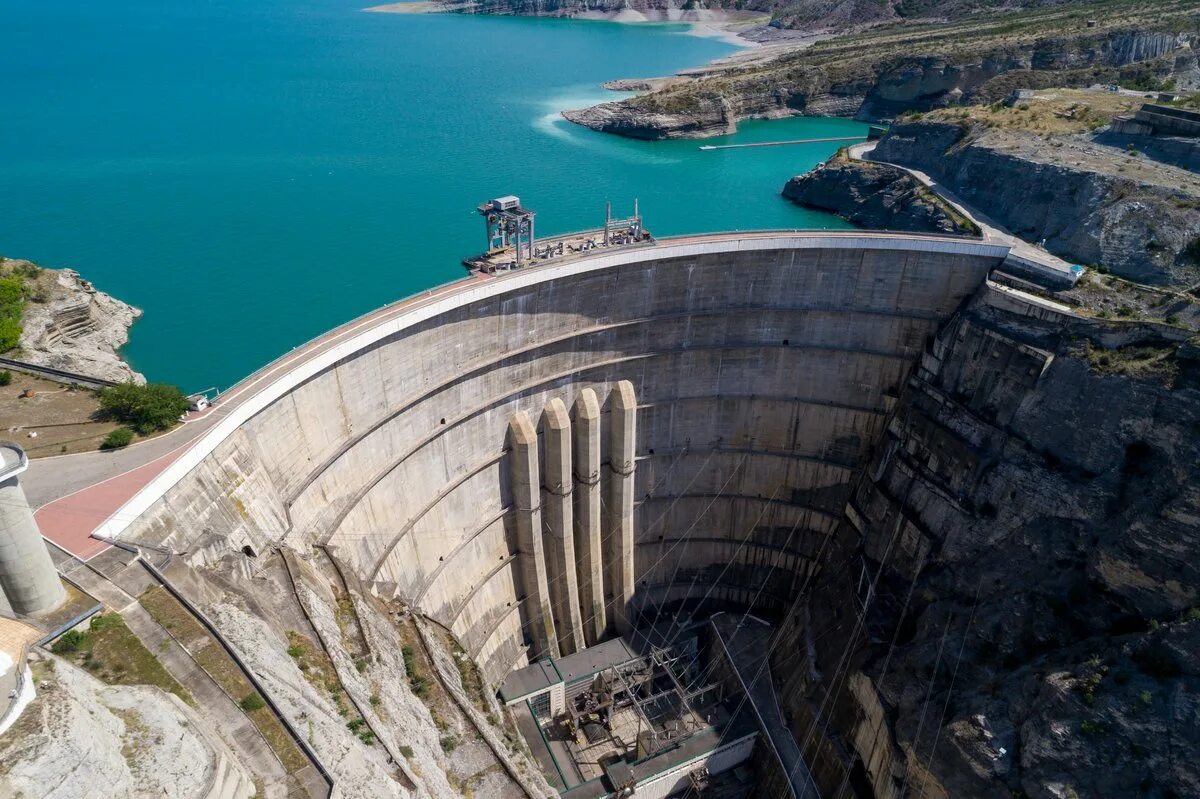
point(57, 375)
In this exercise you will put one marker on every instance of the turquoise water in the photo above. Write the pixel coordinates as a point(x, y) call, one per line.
point(253, 172)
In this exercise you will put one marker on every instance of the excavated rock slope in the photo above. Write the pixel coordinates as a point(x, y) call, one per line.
point(1090, 203)
point(81, 739)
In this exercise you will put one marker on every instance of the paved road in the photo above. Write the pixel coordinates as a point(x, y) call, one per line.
point(75, 494)
point(993, 232)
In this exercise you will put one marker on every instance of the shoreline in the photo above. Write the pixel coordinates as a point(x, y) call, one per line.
point(747, 31)
point(727, 27)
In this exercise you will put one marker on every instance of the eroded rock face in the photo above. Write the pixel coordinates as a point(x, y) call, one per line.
point(1029, 530)
point(79, 329)
point(1089, 203)
point(875, 196)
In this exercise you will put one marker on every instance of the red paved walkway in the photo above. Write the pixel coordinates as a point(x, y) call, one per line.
point(70, 520)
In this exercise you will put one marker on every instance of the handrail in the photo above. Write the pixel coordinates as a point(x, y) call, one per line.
point(10, 468)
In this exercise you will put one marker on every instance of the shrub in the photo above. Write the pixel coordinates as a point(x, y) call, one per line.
point(5, 378)
point(252, 702)
point(406, 750)
point(117, 438)
point(68, 642)
point(295, 651)
point(375, 700)
point(147, 408)
point(448, 742)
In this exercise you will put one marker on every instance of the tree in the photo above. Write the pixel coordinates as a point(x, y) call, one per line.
point(147, 408)
point(10, 333)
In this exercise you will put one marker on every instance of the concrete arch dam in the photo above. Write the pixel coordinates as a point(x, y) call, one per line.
point(539, 457)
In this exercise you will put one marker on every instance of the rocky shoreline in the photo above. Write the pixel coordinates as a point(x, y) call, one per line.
point(68, 324)
point(880, 74)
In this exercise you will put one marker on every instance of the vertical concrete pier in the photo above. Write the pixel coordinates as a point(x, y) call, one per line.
point(588, 541)
point(559, 519)
point(622, 451)
point(27, 575)
point(526, 500)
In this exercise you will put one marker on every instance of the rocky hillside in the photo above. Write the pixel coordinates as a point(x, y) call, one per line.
point(885, 71)
point(801, 14)
point(1015, 607)
point(1089, 203)
point(68, 324)
point(876, 197)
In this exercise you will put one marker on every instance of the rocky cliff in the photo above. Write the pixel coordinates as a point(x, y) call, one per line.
point(1089, 203)
point(876, 197)
point(883, 72)
point(68, 324)
point(1013, 608)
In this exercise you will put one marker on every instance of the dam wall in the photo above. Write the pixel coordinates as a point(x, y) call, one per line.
point(763, 368)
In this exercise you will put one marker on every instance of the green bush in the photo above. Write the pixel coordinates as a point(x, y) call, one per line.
point(5, 378)
point(252, 702)
point(147, 408)
point(10, 333)
point(117, 438)
point(68, 642)
point(449, 743)
point(406, 750)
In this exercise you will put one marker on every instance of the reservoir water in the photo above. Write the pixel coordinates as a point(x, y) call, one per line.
point(253, 172)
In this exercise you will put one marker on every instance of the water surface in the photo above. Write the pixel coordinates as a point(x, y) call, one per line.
point(253, 172)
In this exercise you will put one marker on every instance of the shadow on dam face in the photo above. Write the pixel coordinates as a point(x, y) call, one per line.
point(763, 371)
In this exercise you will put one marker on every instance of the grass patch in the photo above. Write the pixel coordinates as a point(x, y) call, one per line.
point(110, 651)
point(211, 657)
point(1134, 361)
point(322, 674)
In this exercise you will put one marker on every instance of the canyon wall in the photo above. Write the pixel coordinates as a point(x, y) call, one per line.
point(1010, 606)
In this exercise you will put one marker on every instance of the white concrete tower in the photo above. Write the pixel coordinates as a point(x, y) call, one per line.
point(27, 575)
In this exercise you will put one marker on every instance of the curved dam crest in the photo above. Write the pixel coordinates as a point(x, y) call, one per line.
point(763, 366)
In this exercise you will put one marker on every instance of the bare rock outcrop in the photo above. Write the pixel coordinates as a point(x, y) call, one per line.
point(70, 325)
point(877, 197)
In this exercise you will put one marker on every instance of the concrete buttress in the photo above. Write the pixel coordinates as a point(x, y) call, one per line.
point(526, 500)
point(622, 452)
point(559, 520)
point(589, 546)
